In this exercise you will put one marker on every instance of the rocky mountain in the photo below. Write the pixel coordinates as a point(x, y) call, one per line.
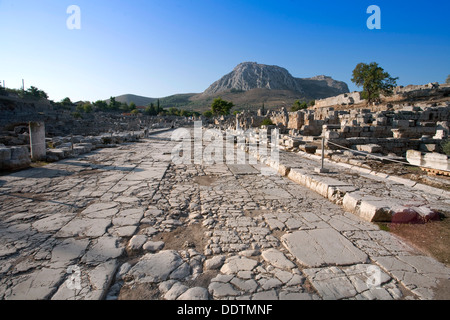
point(249, 86)
point(251, 75)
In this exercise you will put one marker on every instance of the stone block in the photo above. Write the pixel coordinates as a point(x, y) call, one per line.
point(19, 153)
point(369, 148)
point(5, 154)
point(375, 211)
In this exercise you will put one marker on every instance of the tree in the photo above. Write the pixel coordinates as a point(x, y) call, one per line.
point(374, 80)
point(208, 114)
point(184, 113)
point(150, 110)
point(221, 107)
point(85, 108)
point(448, 79)
point(34, 92)
point(299, 106)
point(267, 122)
point(173, 111)
point(66, 102)
point(100, 105)
point(113, 104)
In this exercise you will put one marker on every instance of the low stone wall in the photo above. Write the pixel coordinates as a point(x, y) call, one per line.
point(13, 158)
point(429, 160)
point(343, 99)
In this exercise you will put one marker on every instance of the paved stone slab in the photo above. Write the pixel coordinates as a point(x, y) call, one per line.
point(277, 259)
point(84, 227)
point(196, 293)
point(265, 295)
point(52, 223)
point(104, 249)
point(156, 267)
point(359, 281)
point(423, 275)
point(38, 285)
point(128, 217)
point(238, 263)
point(67, 251)
point(322, 247)
point(242, 169)
point(221, 290)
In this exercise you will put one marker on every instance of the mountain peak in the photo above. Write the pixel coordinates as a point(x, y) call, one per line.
point(252, 75)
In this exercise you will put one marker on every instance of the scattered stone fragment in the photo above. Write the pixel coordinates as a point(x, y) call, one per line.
point(153, 246)
point(265, 295)
point(166, 285)
point(175, 291)
point(214, 263)
point(181, 272)
point(221, 290)
point(136, 242)
point(196, 293)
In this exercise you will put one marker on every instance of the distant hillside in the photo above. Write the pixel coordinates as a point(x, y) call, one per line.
point(138, 100)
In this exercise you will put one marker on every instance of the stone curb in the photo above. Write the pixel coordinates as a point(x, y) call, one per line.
point(367, 207)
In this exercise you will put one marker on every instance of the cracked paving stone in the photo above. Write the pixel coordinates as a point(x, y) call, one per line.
point(155, 267)
point(315, 248)
point(84, 227)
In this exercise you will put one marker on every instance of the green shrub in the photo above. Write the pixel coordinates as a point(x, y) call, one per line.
point(267, 122)
point(76, 115)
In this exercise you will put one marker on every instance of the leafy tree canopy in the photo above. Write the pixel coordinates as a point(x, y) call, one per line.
point(299, 106)
point(374, 80)
point(221, 107)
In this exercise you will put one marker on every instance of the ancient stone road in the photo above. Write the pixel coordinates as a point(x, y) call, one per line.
point(127, 223)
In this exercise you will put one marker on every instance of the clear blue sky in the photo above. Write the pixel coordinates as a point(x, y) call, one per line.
point(157, 48)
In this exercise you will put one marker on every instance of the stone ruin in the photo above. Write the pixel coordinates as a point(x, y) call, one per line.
point(60, 135)
point(415, 118)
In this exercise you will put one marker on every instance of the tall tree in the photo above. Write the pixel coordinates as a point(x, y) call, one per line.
point(448, 79)
point(100, 105)
point(374, 80)
point(66, 102)
point(113, 104)
point(221, 107)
